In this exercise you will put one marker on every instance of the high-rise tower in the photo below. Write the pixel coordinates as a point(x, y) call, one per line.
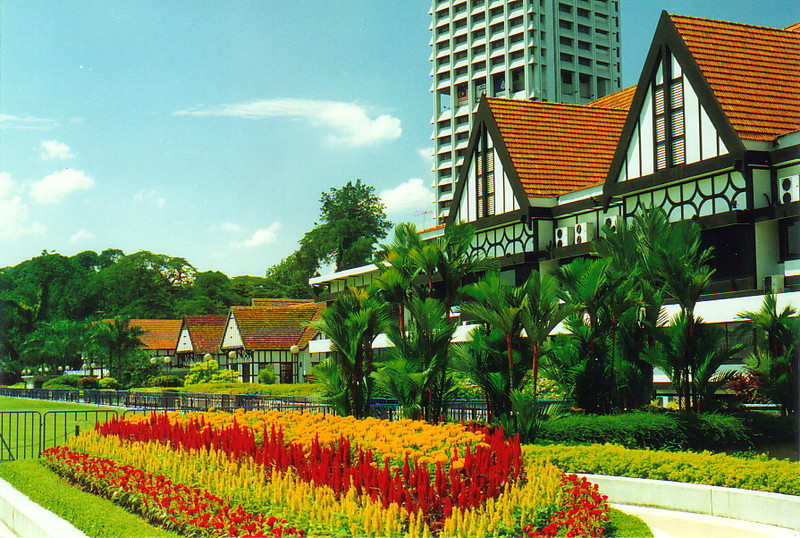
point(550, 50)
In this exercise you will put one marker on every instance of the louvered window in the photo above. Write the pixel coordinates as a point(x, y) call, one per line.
point(484, 178)
point(669, 129)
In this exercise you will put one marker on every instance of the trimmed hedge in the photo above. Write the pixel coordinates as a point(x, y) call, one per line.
point(71, 381)
point(777, 476)
point(671, 430)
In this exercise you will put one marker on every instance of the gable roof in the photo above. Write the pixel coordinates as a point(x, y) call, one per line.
point(753, 71)
point(620, 99)
point(549, 146)
point(276, 327)
point(205, 332)
point(265, 302)
point(159, 333)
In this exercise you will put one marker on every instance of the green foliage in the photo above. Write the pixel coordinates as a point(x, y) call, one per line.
point(352, 220)
point(267, 376)
point(164, 381)
point(622, 524)
point(778, 476)
point(641, 429)
point(117, 346)
point(89, 383)
point(351, 323)
point(278, 389)
point(69, 380)
point(775, 360)
point(209, 372)
point(109, 383)
point(91, 514)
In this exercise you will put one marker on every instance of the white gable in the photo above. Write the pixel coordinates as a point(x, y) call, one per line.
point(185, 342)
point(488, 190)
point(672, 128)
point(231, 338)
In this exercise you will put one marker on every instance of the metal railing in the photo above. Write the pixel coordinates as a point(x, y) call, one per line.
point(25, 434)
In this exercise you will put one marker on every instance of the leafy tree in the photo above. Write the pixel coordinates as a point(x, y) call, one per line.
point(144, 285)
point(210, 293)
point(289, 278)
point(58, 343)
point(352, 221)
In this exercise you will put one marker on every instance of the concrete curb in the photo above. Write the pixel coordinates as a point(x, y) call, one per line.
point(756, 506)
point(26, 518)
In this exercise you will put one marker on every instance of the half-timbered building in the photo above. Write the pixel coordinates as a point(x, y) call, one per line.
point(272, 335)
point(200, 336)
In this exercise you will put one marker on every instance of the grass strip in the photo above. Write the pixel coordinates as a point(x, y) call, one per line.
point(91, 514)
point(622, 525)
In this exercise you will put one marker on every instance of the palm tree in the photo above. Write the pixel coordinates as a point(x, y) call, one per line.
point(116, 341)
point(497, 303)
point(351, 323)
point(414, 374)
point(776, 351)
point(541, 312)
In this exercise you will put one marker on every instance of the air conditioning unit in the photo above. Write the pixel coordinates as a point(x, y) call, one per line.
point(565, 236)
point(584, 232)
point(789, 189)
point(774, 283)
point(611, 222)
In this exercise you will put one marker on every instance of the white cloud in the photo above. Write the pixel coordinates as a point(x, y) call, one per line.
point(227, 227)
point(55, 187)
point(150, 197)
point(81, 236)
point(408, 196)
point(7, 121)
point(426, 154)
point(53, 149)
point(15, 220)
point(352, 123)
point(265, 236)
point(7, 185)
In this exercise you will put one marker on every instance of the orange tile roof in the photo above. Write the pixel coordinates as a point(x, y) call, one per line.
point(556, 148)
point(793, 27)
point(276, 327)
point(160, 334)
point(753, 71)
point(205, 332)
point(270, 302)
point(620, 100)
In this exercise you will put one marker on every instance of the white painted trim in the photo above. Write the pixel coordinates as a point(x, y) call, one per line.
point(24, 517)
point(748, 505)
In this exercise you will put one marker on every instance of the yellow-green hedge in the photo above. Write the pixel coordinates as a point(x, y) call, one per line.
point(778, 476)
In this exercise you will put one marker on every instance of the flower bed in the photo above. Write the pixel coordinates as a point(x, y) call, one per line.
point(340, 476)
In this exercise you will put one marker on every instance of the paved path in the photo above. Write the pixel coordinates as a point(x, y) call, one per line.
point(668, 523)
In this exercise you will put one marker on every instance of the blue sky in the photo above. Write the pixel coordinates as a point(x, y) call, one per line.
point(208, 130)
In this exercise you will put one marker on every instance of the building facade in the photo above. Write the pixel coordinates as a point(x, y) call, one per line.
point(564, 51)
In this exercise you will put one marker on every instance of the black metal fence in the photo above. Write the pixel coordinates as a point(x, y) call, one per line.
point(25, 434)
point(459, 410)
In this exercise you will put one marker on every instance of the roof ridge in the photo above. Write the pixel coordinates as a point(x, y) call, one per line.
point(674, 16)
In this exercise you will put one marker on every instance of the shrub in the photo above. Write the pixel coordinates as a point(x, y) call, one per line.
point(63, 381)
point(267, 376)
point(89, 383)
point(704, 431)
point(110, 383)
point(164, 381)
point(777, 476)
point(209, 372)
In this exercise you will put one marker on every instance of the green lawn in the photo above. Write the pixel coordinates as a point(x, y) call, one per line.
point(20, 434)
point(91, 514)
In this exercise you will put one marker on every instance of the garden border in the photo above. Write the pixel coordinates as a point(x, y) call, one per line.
point(26, 518)
point(748, 505)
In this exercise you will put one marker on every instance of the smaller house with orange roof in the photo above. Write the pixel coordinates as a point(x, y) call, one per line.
point(270, 335)
point(200, 336)
point(160, 337)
